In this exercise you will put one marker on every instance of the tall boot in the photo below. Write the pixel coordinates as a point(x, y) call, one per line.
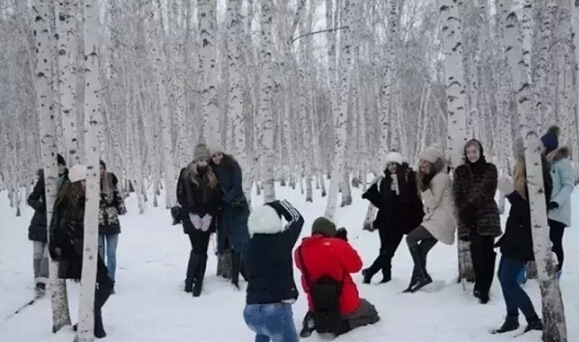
point(190, 276)
point(420, 263)
point(102, 293)
point(376, 266)
point(235, 268)
point(386, 270)
point(199, 275)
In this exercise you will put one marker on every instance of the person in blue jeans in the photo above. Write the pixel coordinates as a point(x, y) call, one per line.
point(271, 289)
point(516, 244)
point(111, 205)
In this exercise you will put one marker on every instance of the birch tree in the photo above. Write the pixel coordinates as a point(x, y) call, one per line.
point(48, 141)
point(206, 13)
point(553, 310)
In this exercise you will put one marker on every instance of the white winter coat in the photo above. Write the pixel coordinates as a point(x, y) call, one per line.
point(439, 209)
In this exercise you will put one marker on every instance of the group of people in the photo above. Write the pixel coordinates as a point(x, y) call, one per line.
point(425, 205)
point(428, 206)
point(67, 231)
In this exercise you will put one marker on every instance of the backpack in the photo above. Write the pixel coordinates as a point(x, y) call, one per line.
point(325, 292)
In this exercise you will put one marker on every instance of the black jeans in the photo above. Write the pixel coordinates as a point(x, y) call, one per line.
point(483, 260)
point(199, 242)
point(556, 231)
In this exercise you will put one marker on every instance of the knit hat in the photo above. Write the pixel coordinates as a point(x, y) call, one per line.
point(551, 139)
point(264, 220)
point(60, 159)
point(431, 154)
point(324, 227)
point(201, 153)
point(77, 173)
point(519, 147)
point(103, 164)
point(216, 148)
point(393, 157)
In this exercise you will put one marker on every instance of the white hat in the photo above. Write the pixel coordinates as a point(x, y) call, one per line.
point(394, 157)
point(77, 173)
point(216, 148)
point(264, 220)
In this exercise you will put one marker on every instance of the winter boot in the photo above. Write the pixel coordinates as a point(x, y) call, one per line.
point(191, 267)
point(413, 280)
point(199, 275)
point(419, 260)
point(377, 265)
point(235, 269)
point(367, 274)
point(308, 325)
point(386, 271)
point(534, 324)
point(99, 330)
point(511, 323)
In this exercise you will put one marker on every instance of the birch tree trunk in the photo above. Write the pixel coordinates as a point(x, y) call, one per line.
point(455, 102)
point(553, 309)
point(85, 332)
point(206, 12)
point(47, 126)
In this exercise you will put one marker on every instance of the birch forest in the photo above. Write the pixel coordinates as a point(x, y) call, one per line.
point(299, 91)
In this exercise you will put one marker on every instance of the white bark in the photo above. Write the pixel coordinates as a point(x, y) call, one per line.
point(206, 13)
point(47, 127)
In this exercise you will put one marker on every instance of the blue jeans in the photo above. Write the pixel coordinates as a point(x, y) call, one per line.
point(515, 297)
point(271, 322)
point(108, 244)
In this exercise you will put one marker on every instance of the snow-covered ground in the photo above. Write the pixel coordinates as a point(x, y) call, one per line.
point(150, 305)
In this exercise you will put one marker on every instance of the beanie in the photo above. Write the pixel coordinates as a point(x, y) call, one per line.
point(201, 153)
point(60, 159)
point(264, 219)
point(216, 148)
point(551, 139)
point(431, 154)
point(393, 157)
point(77, 173)
point(324, 227)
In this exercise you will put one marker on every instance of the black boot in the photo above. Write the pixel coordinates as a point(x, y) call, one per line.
point(190, 276)
point(99, 330)
point(308, 325)
point(386, 270)
point(413, 280)
point(199, 275)
point(420, 262)
point(511, 323)
point(235, 269)
point(369, 272)
point(534, 324)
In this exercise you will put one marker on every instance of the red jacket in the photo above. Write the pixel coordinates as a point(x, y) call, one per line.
point(333, 257)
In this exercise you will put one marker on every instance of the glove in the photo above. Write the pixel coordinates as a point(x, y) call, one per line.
point(505, 186)
point(553, 205)
point(196, 220)
point(206, 222)
point(342, 233)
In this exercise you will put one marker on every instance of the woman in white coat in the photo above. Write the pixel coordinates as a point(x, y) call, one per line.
point(439, 222)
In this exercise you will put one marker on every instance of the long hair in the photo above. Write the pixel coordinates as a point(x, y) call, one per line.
point(228, 162)
point(194, 175)
point(70, 196)
point(423, 179)
point(107, 183)
point(520, 177)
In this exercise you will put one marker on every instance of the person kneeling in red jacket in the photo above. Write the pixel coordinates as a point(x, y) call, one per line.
point(326, 261)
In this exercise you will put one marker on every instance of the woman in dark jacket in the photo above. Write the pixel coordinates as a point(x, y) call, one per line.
point(110, 207)
point(516, 244)
point(232, 227)
point(198, 194)
point(474, 189)
point(400, 210)
point(67, 239)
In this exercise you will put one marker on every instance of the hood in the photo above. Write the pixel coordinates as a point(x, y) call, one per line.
point(563, 152)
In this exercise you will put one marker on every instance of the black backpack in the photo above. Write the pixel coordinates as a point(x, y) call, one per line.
point(325, 293)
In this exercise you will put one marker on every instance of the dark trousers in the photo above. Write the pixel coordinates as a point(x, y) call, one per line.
point(389, 241)
point(515, 297)
point(556, 230)
point(199, 242)
point(483, 260)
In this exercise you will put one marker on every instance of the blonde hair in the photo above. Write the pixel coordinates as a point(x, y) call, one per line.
point(194, 175)
point(520, 177)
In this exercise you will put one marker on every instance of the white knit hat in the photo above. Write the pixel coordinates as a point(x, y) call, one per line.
point(393, 157)
point(431, 154)
point(264, 220)
point(77, 173)
point(216, 148)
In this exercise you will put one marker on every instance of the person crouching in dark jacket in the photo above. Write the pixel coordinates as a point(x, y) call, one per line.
point(271, 289)
point(516, 244)
point(199, 196)
point(67, 240)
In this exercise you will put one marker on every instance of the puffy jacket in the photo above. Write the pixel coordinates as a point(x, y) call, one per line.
point(323, 256)
point(563, 184)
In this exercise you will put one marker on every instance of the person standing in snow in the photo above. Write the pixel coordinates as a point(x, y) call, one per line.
point(67, 240)
point(37, 232)
point(271, 289)
point(111, 205)
point(559, 206)
point(400, 210)
point(232, 226)
point(199, 197)
point(474, 189)
point(439, 222)
point(516, 244)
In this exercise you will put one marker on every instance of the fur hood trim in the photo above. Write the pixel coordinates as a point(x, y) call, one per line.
point(563, 152)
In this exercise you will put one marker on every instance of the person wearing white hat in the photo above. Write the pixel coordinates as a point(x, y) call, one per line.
point(67, 239)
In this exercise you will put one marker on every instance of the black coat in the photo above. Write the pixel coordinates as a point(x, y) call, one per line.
point(66, 235)
point(401, 213)
point(37, 200)
point(193, 200)
point(474, 189)
point(110, 207)
point(517, 241)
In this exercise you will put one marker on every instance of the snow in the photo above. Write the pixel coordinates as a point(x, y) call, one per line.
point(150, 304)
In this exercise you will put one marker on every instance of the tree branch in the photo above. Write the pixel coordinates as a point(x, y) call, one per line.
point(316, 32)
